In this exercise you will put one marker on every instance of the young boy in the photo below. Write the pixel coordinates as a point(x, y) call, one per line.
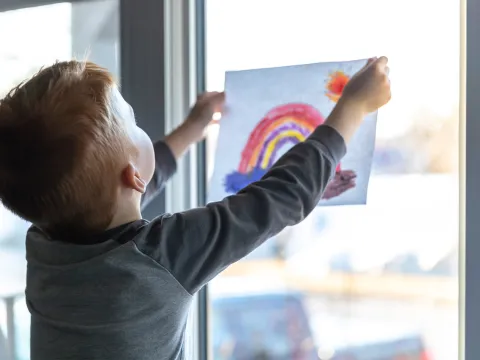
point(103, 283)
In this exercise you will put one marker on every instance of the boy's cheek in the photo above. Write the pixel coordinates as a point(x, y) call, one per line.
point(146, 156)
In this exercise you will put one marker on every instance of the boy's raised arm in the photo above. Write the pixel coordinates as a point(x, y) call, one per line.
point(196, 245)
point(169, 150)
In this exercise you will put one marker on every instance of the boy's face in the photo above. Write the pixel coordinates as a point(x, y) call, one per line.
point(145, 161)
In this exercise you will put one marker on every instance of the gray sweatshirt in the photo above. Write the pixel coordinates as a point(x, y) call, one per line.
point(126, 294)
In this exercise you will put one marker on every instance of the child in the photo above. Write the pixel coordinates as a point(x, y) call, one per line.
point(102, 283)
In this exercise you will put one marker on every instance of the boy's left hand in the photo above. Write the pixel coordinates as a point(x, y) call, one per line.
point(342, 181)
point(193, 128)
point(201, 114)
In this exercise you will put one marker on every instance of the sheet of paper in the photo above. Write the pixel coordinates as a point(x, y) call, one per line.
point(270, 110)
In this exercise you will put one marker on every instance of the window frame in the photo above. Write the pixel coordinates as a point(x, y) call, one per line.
point(470, 176)
point(184, 80)
point(204, 349)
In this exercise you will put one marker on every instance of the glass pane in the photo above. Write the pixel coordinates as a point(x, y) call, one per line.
point(374, 282)
point(85, 30)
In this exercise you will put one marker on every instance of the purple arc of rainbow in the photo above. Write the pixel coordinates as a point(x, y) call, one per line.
point(280, 143)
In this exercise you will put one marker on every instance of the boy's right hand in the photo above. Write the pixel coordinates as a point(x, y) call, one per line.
point(369, 88)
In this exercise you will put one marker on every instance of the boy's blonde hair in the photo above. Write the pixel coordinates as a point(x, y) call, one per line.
point(62, 149)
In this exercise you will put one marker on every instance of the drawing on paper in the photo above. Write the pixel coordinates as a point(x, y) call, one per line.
point(272, 109)
point(285, 124)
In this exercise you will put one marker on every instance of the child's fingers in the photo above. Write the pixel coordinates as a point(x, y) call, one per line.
point(218, 102)
point(369, 62)
point(219, 97)
point(344, 187)
point(348, 174)
point(211, 95)
point(381, 63)
point(216, 117)
point(214, 95)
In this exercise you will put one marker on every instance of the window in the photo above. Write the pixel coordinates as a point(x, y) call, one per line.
point(54, 32)
point(378, 281)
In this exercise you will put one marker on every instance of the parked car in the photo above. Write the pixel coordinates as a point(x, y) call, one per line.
point(275, 325)
point(262, 326)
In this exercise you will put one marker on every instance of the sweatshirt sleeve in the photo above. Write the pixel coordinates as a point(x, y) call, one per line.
point(196, 245)
point(165, 167)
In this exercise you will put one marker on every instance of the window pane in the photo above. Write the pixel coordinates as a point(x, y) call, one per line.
point(29, 39)
point(374, 282)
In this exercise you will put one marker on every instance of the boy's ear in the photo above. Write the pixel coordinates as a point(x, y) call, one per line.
point(131, 179)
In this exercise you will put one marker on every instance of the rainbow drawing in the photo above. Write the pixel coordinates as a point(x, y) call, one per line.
point(285, 124)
